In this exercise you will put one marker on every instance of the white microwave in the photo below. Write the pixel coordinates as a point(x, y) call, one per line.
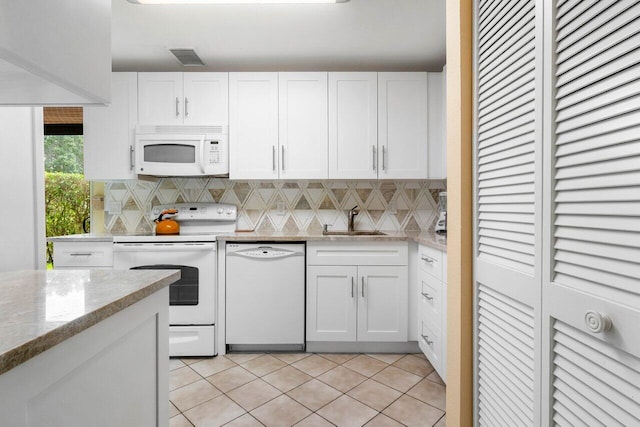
point(182, 150)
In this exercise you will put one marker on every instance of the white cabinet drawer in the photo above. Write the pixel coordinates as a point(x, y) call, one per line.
point(357, 253)
point(430, 343)
point(83, 254)
point(430, 260)
point(430, 303)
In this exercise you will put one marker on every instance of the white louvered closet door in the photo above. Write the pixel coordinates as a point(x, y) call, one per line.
point(592, 204)
point(508, 180)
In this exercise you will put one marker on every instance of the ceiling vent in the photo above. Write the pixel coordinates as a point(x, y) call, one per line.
point(187, 57)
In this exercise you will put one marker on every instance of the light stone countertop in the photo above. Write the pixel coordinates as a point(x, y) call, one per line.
point(39, 309)
point(429, 238)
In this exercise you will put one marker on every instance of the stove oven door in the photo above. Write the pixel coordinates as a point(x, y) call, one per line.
point(192, 298)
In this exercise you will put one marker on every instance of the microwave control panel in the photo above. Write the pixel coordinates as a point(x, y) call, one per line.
point(214, 151)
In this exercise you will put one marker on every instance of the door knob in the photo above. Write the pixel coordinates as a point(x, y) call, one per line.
point(597, 322)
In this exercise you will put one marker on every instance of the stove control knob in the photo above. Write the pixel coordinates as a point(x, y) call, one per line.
point(220, 210)
point(229, 211)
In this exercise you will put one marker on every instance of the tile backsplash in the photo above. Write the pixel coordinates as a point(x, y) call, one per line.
point(288, 206)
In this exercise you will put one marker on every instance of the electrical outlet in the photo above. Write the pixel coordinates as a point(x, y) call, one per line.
point(280, 207)
point(114, 208)
point(393, 208)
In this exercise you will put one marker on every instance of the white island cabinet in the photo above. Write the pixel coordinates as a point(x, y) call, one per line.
point(84, 348)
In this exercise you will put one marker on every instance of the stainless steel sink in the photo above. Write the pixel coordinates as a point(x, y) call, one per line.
point(353, 233)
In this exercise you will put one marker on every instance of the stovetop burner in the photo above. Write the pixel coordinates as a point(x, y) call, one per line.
point(199, 222)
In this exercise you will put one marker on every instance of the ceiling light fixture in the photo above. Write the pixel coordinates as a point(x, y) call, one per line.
point(234, 1)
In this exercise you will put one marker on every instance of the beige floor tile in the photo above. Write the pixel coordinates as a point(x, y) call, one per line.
point(280, 412)
point(342, 379)
point(253, 394)
point(175, 364)
point(179, 421)
point(415, 365)
point(386, 357)
point(214, 412)
point(381, 420)
point(314, 365)
point(435, 378)
point(291, 357)
point(173, 411)
point(429, 392)
point(232, 378)
point(191, 360)
point(314, 394)
point(338, 358)
point(193, 394)
point(442, 422)
point(212, 366)
point(397, 378)
point(246, 420)
point(373, 394)
point(347, 412)
point(366, 365)
point(286, 378)
point(264, 364)
point(314, 420)
point(412, 412)
point(181, 377)
point(420, 355)
point(241, 358)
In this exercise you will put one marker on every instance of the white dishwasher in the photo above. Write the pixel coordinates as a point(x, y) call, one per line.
point(265, 296)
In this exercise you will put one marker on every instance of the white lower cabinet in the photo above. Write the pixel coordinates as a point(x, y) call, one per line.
point(70, 255)
point(355, 302)
point(432, 307)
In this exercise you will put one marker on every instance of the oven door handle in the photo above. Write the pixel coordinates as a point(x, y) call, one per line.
point(175, 247)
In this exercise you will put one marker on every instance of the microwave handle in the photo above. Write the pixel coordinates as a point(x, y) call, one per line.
point(203, 155)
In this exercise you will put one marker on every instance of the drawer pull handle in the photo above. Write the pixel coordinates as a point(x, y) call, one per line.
point(426, 339)
point(81, 254)
point(427, 296)
point(427, 259)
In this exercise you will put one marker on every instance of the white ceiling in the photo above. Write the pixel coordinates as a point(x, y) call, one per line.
point(374, 35)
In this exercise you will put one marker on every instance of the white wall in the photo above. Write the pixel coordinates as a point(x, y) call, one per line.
point(22, 226)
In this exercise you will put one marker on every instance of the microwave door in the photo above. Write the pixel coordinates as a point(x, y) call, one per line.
point(170, 155)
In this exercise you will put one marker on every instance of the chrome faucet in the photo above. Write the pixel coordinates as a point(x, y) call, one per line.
point(352, 216)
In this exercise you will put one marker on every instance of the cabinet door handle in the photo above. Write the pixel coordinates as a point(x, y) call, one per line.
point(427, 296)
point(597, 322)
point(352, 280)
point(426, 339)
point(282, 165)
point(177, 107)
point(273, 158)
point(384, 158)
point(186, 107)
point(81, 254)
point(131, 158)
point(362, 286)
point(374, 157)
point(427, 259)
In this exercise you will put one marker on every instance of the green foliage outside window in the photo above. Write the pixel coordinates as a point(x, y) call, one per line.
point(67, 194)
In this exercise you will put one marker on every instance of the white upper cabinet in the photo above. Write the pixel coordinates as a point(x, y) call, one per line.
point(402, 125)
point(55, 52)
point(183, 98)
point(303, 125)
point(437, 125)
point(253, 126)
point(353, 132)
point(109, 132)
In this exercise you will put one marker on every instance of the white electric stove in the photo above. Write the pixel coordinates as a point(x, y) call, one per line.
point(192, 300)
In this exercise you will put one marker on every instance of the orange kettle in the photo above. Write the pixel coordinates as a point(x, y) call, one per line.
point(167, 225)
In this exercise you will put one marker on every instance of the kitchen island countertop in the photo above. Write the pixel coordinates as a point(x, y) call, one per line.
point(39, 309)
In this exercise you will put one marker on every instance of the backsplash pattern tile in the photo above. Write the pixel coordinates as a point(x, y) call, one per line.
point(288, 206)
